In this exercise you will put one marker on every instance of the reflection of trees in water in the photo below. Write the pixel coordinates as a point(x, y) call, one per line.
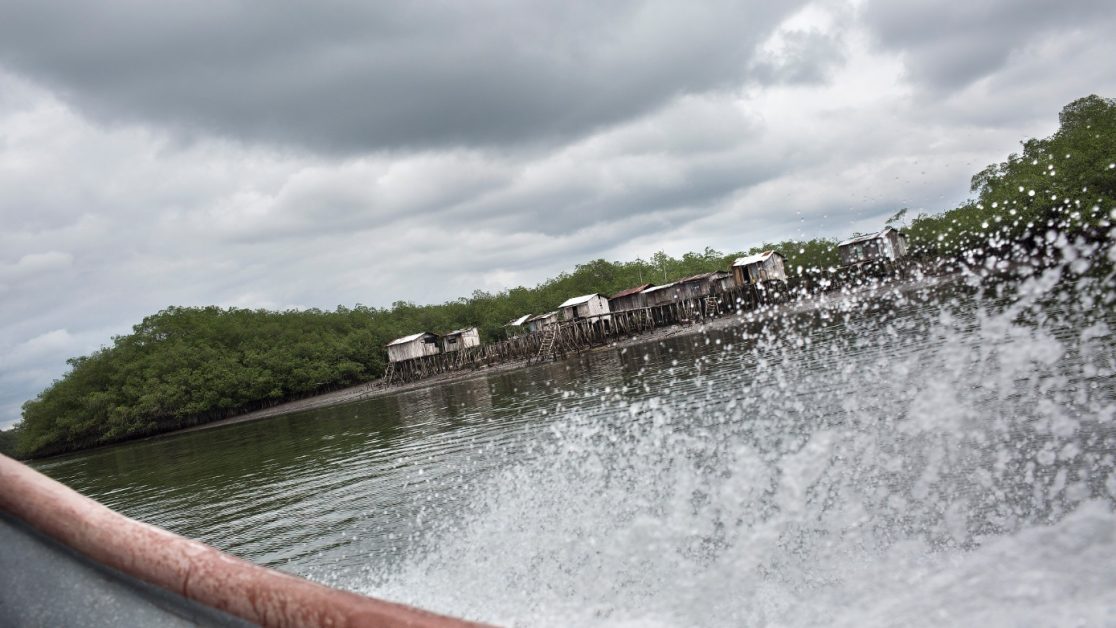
point(139, 478)
point(462, 400)
point(437, 408)
point(416, 406)
point(477, 394)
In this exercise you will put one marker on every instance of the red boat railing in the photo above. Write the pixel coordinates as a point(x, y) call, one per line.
point(190, 568)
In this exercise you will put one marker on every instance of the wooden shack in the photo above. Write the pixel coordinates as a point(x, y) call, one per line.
point(755, 270)
point(461, 339)
point(414, 346)
point(887, 245)
point(517, 326)
point(630, 299)
point(665, 294)
point(542, 321)
point(701, 286)
point(592, 306)
point(726, 283)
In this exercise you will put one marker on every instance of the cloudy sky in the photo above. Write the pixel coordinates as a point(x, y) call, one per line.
point(308, 154)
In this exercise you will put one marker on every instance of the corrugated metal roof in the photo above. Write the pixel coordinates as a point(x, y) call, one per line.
point(630, 291)
point(752, 259)
point(657, 288)
point(578, 300)
point(870, 236)
point(542, 316)
point(411, 338)
point(695, 277)
point(519, 321)
point(703, 276)
point(458, 332)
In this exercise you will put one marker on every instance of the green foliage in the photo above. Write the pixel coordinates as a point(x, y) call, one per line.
point(1064, 182)
point(185, 366)
point(804, 255)
point(8, 442)
point(189, 365)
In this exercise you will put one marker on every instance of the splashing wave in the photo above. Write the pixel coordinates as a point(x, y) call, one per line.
point(948, 459)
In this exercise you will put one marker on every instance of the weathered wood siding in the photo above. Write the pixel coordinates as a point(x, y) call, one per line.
point(771, 269)
point(898, 241)
point(662, 295)
point(630, 299)
point(628, 302)
point(701, 286)
point(461, 339)
point(542, 321)
point(597, 306)
point(889, 244)
point(422, 346)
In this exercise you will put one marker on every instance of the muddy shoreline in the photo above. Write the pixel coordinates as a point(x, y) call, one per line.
point(376, 388)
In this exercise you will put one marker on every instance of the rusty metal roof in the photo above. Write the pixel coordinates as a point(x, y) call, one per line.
point(630, 291)
point(701, 276)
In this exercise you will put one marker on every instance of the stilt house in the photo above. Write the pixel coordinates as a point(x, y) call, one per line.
point(461, 339)
point(703, 285)
point(414, 346)
point(587, 306)
point(887, 245)
point(516, 326)
point(630, 299)
point(518, 322)
point(754, 270)
point(661, 295)
point(542, 321)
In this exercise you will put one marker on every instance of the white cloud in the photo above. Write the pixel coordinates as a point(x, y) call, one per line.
point(104, 224)
point(33, 264)
point(36, 348)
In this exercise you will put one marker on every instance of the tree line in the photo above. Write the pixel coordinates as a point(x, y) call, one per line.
point(185, 366)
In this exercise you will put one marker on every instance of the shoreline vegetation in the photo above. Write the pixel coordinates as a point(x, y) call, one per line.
point(377, 388)
point(744, 319)
point(185, 367)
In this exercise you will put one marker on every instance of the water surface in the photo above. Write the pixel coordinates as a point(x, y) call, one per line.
point(942, 455)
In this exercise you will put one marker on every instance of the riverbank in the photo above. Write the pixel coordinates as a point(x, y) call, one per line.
point(377, 388)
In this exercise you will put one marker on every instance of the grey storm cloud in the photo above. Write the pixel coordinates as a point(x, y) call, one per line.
point(286, 155)
point(348, 77)
point(693, 187)
point(949, 45)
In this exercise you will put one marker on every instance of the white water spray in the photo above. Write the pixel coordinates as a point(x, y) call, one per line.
point(935, 462)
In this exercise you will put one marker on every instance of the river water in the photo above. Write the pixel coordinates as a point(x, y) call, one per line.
point(938, 454)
